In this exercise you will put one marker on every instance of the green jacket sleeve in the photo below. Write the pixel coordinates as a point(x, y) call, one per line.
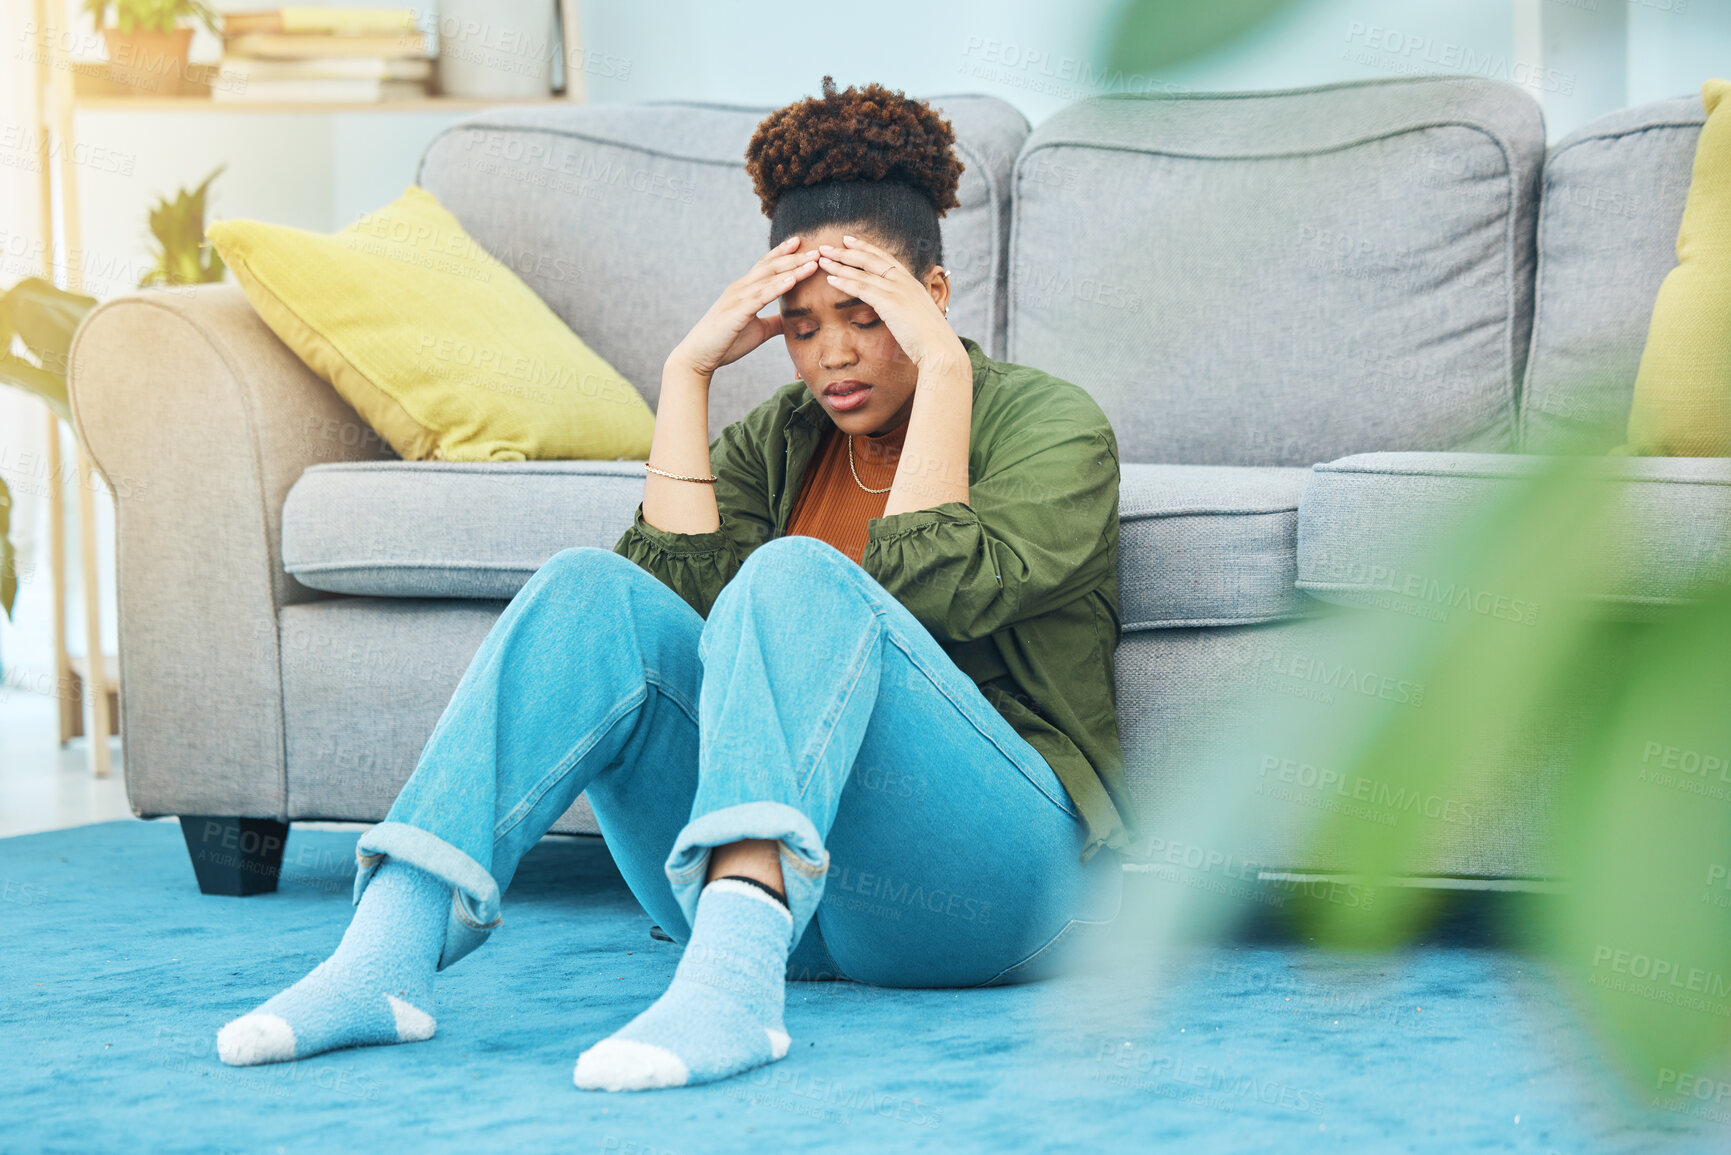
point(696, 565)
point(1036, 532)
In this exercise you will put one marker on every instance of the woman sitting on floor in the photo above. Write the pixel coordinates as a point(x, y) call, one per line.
point(842, 696)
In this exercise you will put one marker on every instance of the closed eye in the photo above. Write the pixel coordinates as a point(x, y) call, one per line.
point(810, 333)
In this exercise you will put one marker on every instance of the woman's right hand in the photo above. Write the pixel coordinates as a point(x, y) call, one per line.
point(732, 328)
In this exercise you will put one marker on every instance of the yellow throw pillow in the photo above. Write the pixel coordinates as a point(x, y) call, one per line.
point(1682, 404)
point(434, 342)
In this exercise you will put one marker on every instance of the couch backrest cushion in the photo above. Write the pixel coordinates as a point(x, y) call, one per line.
point(629, 220)
point(1287, 277)
point(1613, 198)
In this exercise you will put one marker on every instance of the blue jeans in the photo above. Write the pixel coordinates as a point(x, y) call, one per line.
point(923, 841)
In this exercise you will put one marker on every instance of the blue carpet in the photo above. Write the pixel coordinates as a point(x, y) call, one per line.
point(116, 974)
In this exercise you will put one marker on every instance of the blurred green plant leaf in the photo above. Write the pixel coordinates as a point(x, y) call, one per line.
point(1626, 724)
point(182, 258)
point(1537, 549)
point(51, 387)
point(1647, 936)
point(44, 318)
point(152, 15)
point(1156, 34)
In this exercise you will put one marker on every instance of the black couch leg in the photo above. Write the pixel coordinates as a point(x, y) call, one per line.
point(234, 856)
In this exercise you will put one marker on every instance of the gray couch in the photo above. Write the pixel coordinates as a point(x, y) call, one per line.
point(1393, 279)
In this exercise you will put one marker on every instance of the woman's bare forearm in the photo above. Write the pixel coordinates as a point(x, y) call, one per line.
point(728, 331)
point(681, 445)
point(934, 463)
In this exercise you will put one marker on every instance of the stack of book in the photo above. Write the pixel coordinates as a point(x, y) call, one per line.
point(348, 55)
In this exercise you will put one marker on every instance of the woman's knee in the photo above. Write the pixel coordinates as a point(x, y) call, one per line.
point(584, 568)
point(787, 564)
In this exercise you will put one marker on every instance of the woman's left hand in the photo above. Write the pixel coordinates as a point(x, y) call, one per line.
point(901, 300)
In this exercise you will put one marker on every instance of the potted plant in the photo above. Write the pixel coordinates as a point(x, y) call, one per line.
point(43, 318)
point(149, 40)
point(178, 226)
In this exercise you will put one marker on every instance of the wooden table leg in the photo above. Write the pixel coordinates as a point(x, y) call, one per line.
point(66, 690)
point(60, 99)
point(95, 667)
point(66, 695)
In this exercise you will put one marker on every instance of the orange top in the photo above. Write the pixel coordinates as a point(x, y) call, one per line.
point(831, 506)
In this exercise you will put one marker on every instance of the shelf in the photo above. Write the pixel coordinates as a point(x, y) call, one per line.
point(206, 105)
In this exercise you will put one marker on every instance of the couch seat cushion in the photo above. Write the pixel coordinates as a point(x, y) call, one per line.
point(449, 529)
point(1207, 545)
point(1369, 525)
point(1198, 545)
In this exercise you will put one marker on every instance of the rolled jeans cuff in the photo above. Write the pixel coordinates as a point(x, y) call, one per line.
point(475, 902)
point(804, 861)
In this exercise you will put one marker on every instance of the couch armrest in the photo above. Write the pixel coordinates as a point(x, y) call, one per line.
point(200, 420)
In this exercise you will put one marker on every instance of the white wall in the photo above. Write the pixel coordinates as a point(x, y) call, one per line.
point(1676, 44)
point(1580, 58)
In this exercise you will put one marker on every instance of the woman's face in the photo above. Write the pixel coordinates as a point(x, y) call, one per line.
point(838, 344)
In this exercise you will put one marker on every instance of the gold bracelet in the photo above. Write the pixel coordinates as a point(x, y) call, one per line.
point(679, 477)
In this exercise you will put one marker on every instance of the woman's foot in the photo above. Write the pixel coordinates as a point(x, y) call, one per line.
point(721, 1016)
point(376, 988)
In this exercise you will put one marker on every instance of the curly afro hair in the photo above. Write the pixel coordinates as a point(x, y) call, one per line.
point(868, 157)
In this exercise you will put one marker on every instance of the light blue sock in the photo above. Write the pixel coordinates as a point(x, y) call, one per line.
point(376, 988)
point(721, 1016)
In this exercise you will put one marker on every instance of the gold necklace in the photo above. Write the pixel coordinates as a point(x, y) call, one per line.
point(855, 471)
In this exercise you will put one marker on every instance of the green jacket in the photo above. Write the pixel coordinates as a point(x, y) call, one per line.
point(1019, 584)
